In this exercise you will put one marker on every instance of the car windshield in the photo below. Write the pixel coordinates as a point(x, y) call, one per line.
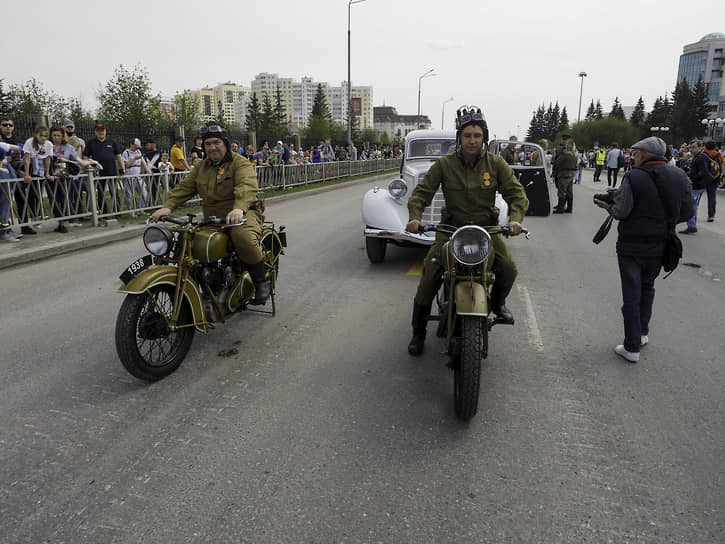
point(425, 149)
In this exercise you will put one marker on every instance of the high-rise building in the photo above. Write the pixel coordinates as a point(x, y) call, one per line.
point(222, 98)
point(704, 60)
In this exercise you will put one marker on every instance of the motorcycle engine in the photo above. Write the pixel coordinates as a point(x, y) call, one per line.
point(214, 276)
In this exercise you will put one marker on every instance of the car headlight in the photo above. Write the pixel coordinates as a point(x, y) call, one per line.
point(158, 240)
point(397, 188)
point(471, 245)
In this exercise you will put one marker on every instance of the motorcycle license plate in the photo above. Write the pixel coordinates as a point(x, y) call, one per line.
point(136, 267)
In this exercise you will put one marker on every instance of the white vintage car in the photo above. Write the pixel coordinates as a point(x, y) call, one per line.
point(385, 212)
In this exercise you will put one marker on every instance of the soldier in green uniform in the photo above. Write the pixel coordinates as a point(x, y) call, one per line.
point(564, 165)
point(227, 184)
point(470, 178)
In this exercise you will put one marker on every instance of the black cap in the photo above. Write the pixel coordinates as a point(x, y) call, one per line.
point(179, 138)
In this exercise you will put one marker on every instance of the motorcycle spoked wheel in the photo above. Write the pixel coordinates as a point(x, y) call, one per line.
point(148, 349)
point(467, 370)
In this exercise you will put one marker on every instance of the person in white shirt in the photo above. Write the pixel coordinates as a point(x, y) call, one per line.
point(38, 151)
point(134, 163)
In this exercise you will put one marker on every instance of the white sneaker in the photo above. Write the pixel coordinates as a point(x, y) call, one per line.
point(644, 340)
point(631, 357)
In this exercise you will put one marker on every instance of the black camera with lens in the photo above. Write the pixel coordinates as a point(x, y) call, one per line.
point(607, 197)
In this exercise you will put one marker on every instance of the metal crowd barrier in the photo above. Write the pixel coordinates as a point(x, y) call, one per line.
point(101, 197)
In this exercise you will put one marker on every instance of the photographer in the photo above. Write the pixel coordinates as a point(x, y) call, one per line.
point(652, 198)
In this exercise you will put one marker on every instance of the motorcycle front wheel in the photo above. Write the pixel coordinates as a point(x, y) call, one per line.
point(147, 347)
point(467, 371)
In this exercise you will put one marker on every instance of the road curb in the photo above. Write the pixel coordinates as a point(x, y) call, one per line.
point(90, 237)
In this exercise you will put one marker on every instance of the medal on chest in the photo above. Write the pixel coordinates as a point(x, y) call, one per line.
point(486, 179)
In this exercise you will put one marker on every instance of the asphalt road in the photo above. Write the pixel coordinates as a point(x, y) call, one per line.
point(322, 428)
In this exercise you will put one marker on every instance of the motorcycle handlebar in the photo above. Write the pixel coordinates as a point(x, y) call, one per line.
point(494, 229)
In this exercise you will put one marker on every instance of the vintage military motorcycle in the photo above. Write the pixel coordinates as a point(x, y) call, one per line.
point(464, 316)
point(191, 279)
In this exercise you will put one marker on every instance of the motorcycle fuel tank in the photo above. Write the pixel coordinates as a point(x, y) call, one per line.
point(209, 245)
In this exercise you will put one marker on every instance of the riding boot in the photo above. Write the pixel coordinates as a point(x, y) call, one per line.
point(569, 205)
point(559, 208)
point(498, 306)
point(261, 284)
point(420, 321)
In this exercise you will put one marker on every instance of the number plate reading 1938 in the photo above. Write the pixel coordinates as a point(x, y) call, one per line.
point(135, 268)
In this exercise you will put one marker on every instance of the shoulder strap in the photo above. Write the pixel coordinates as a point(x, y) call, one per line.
point(671, 222)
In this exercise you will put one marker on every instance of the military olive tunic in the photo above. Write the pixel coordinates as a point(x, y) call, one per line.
point(470, 193)
point(223, 188)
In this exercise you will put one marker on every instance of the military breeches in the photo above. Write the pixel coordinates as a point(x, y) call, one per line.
point(246, 238)
point(430, 281)
point(564, 186)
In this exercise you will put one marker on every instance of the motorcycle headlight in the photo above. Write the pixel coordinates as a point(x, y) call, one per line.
point(471, 245)
point(158, 240)
point(397, 188)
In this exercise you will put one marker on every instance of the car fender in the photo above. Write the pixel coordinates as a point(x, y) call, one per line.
point(166, 275)
point(382, 211)
point(471, 299)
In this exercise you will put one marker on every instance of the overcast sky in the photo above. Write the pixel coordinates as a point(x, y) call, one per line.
point(507, 57)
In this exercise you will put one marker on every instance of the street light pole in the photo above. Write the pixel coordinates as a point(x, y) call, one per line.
point(443, 110)
point(349, 86)
point(582, 75)
point(429, 73)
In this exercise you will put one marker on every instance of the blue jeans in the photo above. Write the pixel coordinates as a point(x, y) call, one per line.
point(696, 196)
point(638, 276)
point(6, 189)
point(578, 174)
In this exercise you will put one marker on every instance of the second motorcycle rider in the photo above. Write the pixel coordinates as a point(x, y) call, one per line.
point(228, 186)
point(470, 178)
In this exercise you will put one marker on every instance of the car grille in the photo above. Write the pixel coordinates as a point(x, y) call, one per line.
point(432, 214)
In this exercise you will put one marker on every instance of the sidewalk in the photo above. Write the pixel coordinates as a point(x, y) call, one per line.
point(48, 243)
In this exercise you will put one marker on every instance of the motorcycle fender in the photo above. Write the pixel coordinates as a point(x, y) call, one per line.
point(471, 299)
point(166, 275)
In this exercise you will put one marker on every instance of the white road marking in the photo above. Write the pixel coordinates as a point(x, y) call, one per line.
point(535, 336)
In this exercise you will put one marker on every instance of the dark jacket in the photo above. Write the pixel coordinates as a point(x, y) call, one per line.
point(700, 171)
point(642, 231)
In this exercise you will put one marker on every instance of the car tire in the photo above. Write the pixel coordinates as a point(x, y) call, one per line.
point(375, 248)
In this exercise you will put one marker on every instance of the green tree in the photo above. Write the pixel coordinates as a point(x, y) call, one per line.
point(605, 131)
point(254, 115)
point(267, 118)
point(700, 106)
point(682, 109)
point(638, 114)
point(591, 112)
point(319, 105)
point(126, 99)
point(369, 136)
point(317, 128)
point(187, 111)
point(537, 129)
point(598, 112)
point(280, 118)
point(617, 110)
point(385, 139)
point(31, 98)
point(563, 121)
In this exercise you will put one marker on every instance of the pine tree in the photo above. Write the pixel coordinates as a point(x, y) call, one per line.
point(536, 127)
point(253, 114)
point(700, 106)
point(598, 112)
point(267, 118)
point(637, 117)
point(617, 110)
point(563, 121)
point(591, 112)
point(682, 102)
point(319, 105)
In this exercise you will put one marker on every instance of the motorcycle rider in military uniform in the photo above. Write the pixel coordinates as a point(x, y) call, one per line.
point(470, 178)
point(227, 183)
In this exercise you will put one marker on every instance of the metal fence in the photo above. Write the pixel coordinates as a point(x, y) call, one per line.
point(97, 198)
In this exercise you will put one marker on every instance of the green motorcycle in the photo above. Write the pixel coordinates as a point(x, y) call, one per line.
point(191, 279)
point(464, 316)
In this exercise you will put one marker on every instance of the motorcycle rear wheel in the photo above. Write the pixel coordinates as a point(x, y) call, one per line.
point(467, 373)
point(148, 349)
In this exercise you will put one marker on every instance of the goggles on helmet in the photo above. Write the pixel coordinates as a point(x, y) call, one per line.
point(211, 129)
point(467, 115)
